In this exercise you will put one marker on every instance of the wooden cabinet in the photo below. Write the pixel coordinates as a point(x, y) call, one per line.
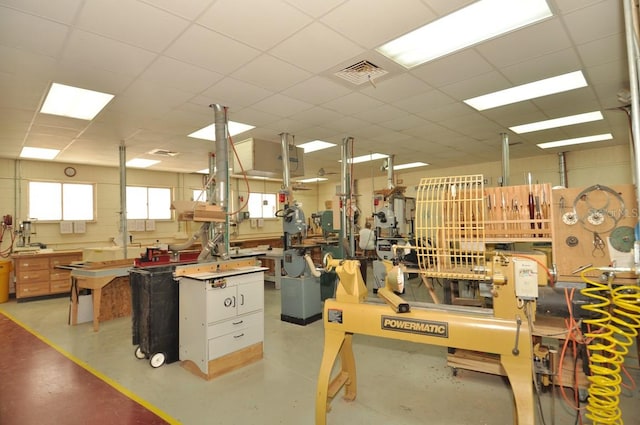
point(221, 321)
point(37, 275)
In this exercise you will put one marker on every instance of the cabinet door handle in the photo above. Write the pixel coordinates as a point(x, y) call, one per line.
point(237, 323)
point(241, 299)
point(234, 300)
point(238, 336)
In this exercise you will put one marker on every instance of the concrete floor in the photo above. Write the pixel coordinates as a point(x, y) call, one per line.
point(398, 382)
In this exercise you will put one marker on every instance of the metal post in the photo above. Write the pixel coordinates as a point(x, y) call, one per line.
point(505, 159)
point(286, 173)
point(390, 164)
point(221, 174)
point(563, 169)
point(123, 197)
point(632, 59)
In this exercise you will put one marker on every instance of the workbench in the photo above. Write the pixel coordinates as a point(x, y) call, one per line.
point(95, 276)
point(274, 274)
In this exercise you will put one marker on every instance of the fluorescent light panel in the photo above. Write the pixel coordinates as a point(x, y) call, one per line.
point(576, 141)
point(315, 145)
point(38, 153)
point(470, 25)
point(141, 163)
point(209, 132)
point(313, 180)
point(74, 102)
point(557, 122)
point(365, 158)
point(558, 84)
point(409, 165)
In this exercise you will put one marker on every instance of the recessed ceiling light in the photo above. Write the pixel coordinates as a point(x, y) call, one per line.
point(313, 180)
point(141, 163)
point(470, 25)
point(559, 84)
point(209, 132)
point(74, 102)
point(315, 145)
point(557, 122)
point(576, 141)
point(38, 153)
point(366, 158)
point(409, 165)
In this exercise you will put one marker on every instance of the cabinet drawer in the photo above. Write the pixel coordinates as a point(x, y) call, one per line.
point(32, 264)
point(64, 259)
point(60, 285)
point(26, 276)
point(32, 289)
point(234, 341)
point(58, 274)
point(236, 324)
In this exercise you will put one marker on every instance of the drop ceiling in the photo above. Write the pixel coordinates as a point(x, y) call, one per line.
point(273, 64)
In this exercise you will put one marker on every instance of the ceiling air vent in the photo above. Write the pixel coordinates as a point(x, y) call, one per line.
point(163, 152)
point(361, 72)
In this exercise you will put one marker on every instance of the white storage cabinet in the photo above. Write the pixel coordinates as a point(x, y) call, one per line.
point(220, 314)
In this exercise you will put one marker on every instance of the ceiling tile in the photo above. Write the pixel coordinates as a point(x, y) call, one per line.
point(353, 103)
point(271, 73)
point(143, 25)
point(455, 67)
point(256, 30)
point(396, 88)
point(596, 21)
point(316, 90)
point(114, 55)
point(367, 23)
point(281, 105)
point(431, 99)
point(530, 42)
point(23, 31)
point(316, 48)
point(381, 114)
point(180, 75)
point(234, 93)
point(550, 65)
point(476, 86)
point(205, 48)
point(316, 116)
point(187, 9)
point(315, 8)
point(63, 12)
point(603, 50)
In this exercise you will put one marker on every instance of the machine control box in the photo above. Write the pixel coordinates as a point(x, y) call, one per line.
point(526, 278)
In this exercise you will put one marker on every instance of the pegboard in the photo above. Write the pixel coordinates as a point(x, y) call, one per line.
point(593, 226)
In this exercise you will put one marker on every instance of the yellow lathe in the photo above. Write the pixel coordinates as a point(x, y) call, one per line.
point(503, 331)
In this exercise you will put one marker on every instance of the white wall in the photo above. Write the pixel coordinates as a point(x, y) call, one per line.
point(606, 166)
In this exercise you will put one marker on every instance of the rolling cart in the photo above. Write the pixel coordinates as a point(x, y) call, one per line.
point(154, 297)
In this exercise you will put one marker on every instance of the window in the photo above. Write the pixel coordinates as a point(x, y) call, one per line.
point(262, 205)
point(49, 201)
point(199, 195)
point(152, 203)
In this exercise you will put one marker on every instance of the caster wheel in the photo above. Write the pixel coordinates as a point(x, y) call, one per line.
point(157, 360)
point(454, 371)
point(139, 354)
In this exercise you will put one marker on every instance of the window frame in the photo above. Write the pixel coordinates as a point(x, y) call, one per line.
point(170, 201)
point(61, 196)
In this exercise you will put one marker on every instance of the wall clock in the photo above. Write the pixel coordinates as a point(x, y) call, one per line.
point(69, 171)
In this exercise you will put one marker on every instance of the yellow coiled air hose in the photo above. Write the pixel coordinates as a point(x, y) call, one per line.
point(617, 311)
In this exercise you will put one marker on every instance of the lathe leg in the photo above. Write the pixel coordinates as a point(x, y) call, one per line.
point(335, 342)
point(519, 374)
